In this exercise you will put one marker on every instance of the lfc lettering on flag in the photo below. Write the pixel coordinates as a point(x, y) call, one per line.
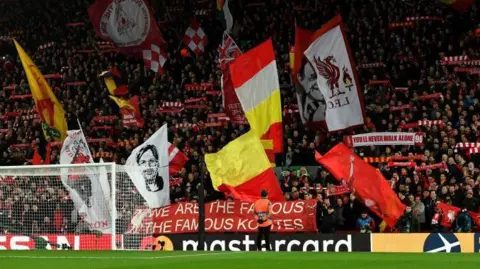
point(337, 80)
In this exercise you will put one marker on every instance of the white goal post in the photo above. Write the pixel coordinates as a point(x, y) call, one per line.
point(61, 206)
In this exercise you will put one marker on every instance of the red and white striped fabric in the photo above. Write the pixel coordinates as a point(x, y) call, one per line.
point(452, 60)
point(371, 65)
point(185, 125)
point(472, 62)
point(430, 123)
point(172, 104)
point(155, 58)
point(467, 145)
point(473, 150)
point(423, 18)
point(401, 89)
point(44, 46)
point(400, 24)
point(195, 38)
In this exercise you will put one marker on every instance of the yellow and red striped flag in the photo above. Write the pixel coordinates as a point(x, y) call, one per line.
point(255, 78)
point(242, 169)
point(51, 112)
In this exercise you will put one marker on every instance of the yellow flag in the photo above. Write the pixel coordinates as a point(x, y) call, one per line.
point(242, 169)
point(122, 103)
point(51, 112)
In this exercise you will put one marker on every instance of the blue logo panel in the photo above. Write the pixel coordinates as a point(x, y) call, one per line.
point(441, 242)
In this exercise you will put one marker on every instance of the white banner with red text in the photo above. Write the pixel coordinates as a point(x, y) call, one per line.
point(384, 139)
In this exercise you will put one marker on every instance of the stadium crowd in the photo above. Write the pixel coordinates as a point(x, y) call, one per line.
point(412, 60)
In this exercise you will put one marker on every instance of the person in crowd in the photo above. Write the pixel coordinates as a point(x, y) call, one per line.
point(419, 213)
point(365, 223)
point(339, 214)
point(436, 221)
point(463, 222)
point(329, 221)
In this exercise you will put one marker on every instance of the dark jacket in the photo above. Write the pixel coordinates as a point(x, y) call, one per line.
point(329, 222)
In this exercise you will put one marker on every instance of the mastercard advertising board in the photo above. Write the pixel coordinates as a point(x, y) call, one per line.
point(426, 242)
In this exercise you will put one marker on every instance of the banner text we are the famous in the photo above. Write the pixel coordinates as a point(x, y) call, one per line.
point(223, 216)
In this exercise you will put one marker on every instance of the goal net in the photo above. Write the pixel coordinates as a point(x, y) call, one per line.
point(59, 207)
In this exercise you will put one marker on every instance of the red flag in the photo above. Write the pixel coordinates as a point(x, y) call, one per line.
point(302, 41)
point(475, 217)
point(36, 160)
point(366, 181)
point(229, 51)
point(176, 159)
point(449, 214)
point(131, 26)
point(131, 114)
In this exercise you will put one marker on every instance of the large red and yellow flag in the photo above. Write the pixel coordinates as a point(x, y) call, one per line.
point(51, 112)
point(255, 78)
point(366, 181)
point(243, 170)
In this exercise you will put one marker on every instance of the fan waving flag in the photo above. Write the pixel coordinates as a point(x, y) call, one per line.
point(337, 77)
point(242, 169)
point(113, 82)
point(366, 181)
point(255, 78)
point(131, 114)
point(450, 214)
point(131, 26)
point(87, 187)
point(195, 38)
point(51, 112)
point(147, 167)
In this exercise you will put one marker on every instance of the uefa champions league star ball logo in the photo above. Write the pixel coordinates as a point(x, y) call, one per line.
point(126, 22)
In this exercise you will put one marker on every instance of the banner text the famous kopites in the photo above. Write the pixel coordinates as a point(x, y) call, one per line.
point(223, 216)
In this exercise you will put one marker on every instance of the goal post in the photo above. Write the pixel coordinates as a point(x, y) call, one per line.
point(59, 206)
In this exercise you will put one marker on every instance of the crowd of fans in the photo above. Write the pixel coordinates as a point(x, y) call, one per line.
point(411, 56)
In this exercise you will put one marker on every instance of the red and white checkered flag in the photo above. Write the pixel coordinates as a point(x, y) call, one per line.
point(155, 58)
point(195, 38)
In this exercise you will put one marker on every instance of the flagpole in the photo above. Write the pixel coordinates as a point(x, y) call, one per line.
point(201, 210)
point(81, 130)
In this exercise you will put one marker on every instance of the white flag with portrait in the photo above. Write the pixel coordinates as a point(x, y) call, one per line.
point(311, 103)
point(147, 167)
point(337, 80)
point(88, 187)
